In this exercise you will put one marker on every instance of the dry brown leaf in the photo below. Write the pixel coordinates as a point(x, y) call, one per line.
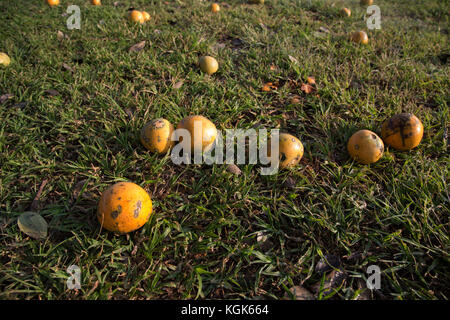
point(67, 67)
point(234, 169)
point(269, 86)
point(178, 85)
point(311, 80)
point(138, 46)
point(5, 97)
point(293, 60)
point(306, 88)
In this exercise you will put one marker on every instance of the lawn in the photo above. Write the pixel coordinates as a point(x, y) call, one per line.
point(73, 103)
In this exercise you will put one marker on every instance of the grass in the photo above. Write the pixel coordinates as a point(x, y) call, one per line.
point(215, 235)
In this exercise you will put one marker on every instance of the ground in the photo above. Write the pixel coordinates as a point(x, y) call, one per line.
point(73, 102)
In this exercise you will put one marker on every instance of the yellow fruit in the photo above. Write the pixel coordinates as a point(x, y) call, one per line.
point(53, 2)
point(208, 133)
point(96, 2)
point(257, 1)
point(208, 64)
point(156, 135)
point(290, 150)
point(215, 7)
point(359, 37)
point(124, 207)
point(366, 2)
point(4, 59)
point(403, 131)
point(146, 16)
point(136, 16)
point(365, 147)
point(346, 12)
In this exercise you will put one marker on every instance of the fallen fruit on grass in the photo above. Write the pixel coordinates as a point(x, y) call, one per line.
point(257, 1)
point(290, 150)
point(346, 12)
point(206, 133)
point(4, 59)
point(124, 207)
point(146, 16)
point(365, 147)
point(403, 131)
point(156, 135)
point(136, 16)
point(366, 2)
point(359, 37)
point(215, 7)
point(32, 224)
point(53, 2)
point(208, 64)
point(96, 2)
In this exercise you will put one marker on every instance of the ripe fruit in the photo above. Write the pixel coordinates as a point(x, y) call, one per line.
point(124, 207)
point(365, 147)
point(366, 2)
point(290, 150)
point(215, 7)
point(359, 37)
point(53, 2)
point(96, 2)
point(4, 59)
point(146, 16)
point(208, 64)
point(136, 16)
point(403, 131)
point(257, 1)
point(346, 12)
point(208, 132)
point(155, 135)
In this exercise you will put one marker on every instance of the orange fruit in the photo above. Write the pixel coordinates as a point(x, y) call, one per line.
point(346, 12)
point(290, 149)
point(204, 139)
point(136, 16)
point(4, 59)
point(403, 131)
point(366, 2)
point(359, 37)
point(208, 64)
point(365, 147)
point(215, 7)
point(53, 2)
point(156, 135)
point(96, 2)
point(146, 16)
point(124, 207)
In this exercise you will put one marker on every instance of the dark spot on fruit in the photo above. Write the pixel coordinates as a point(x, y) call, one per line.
point(282, 157)
point(356, 147)
point(374, 136)
point(159, 138)
point(138, 208)
point(119, 198)
point(116, 213)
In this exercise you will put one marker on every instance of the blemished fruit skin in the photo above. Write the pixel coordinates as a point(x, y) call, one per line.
point(156, 135)
point(146, 15)
point(291, 150)
point(124, 207)
point(403, 131)
point(96, 2)
point(208, 64)
point(366, 2)
point(346, 12)
point(215, 7)
point(53, 2)
point(136, 16)
point(208, 135)
point(4, 59)
point(359, 37)
point(365, 147)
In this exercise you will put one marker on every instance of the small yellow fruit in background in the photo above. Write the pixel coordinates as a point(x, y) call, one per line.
point(156, 135)
point(365, 147)
point(215, 7)
point(136, 16)
point(346, 12)
point(146, 16)
point(359, 37)
point(208, 135)
point(208, 64)
point(403, 131)
point(4, 59)
point(96, 2)
point(53, 2)
point(290, 150)
point(124, 207)
point(366, 2)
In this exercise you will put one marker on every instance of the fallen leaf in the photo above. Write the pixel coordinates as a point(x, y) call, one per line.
point(138, 46)
point(293, 60)
point(5, 97)
point(300, 293)
point(332, 281)
point(295, 100)
point(273, 67)
point(327, 263)
point(269, 86)
point(323, 29)
point(290, 183)
point(306, 88)
point(33, 225)
point(311, 80)
point(178, 85)
point(61, 36)
point(67, 67)
point(157, 31)
point(234, 169)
